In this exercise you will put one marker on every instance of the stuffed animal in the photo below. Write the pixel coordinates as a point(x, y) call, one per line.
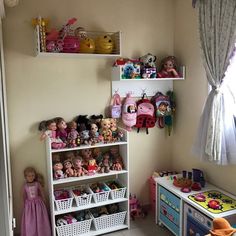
point(221, 227)
point(148, 66)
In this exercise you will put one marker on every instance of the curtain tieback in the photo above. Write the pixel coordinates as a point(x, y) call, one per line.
point(217, 89)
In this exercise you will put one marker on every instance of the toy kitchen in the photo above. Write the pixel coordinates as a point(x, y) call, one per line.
point(186, 205)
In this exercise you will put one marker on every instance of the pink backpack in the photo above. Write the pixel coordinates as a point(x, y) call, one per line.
point(116, 106)
point(129, 112)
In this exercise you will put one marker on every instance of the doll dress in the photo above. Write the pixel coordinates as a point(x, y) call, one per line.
point(35, 220)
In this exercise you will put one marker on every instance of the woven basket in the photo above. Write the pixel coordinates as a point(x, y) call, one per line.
point(64, 204)
point(74, 229)
point(84, 199)
point(101, 196)
point(108, 221)
point(117, 193)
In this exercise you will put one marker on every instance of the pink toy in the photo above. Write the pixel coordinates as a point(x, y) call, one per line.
point(73, 138)
point(49, 128)
point(61, 129)
point(129, 113)
point(135, 208)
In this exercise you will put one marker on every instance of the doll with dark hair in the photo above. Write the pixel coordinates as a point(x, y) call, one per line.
point(168, 68)
point(35, 220)
point(61, 129)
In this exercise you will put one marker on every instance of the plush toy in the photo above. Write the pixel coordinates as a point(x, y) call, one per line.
point(58, 170)
point(104, 44)
point(221, 227)
point(148, 66)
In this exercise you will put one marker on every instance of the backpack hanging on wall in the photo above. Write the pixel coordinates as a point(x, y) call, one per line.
point(129, 112)
point(145, 114)
point(116, 106)
point(164, 108)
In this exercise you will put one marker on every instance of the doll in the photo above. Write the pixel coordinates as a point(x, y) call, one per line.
point(58, 170)
point(86, 155)
point(69, 169)
point(35, 220)
point(61, 129)
point(97, 155)
point(49, 128)
point(105, 165)
point(79, 170)
point(94, 134)
point(117, 163)
point(105, 130)
point(73, 139)
point(168, 68)
point(92, 166)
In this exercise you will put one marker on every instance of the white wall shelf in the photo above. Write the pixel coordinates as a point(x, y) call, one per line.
point(116, 36)
point(137, 86)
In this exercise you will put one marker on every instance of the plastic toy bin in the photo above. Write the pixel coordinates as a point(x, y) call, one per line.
point(63, 199)
point(84, 198)
point(102, 195)
point(117, 190)
point(108, 221)
point(74, 229)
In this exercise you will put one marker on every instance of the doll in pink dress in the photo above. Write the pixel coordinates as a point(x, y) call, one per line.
point(49, 128)
point(35, 220)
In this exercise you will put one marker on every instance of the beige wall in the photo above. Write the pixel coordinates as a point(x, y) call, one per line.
point(40, 88)
point(191, 95)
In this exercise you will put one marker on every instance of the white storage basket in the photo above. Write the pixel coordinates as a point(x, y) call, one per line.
point(118, 192)
point(108, 221)
point(84, 199)
point(74, 229)
point(101, 196)
point(64, 204)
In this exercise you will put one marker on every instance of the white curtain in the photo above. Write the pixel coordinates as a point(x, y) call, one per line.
point(216, 139)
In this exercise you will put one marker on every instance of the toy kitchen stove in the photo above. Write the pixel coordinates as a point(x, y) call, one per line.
point(212, 201)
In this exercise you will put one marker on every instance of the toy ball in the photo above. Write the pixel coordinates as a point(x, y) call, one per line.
point(87, 45)
point(104, 44)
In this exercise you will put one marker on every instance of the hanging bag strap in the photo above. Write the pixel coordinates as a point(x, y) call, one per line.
point(116, 100)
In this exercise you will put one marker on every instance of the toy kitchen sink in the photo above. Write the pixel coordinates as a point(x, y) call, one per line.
point(191, 213)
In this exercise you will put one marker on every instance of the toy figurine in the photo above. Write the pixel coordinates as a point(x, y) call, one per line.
point(136, 209)
point(49, 128)
point(105, 165)
point(35, 220)
point(105, 130)
point(92, 166)
point(61, 129)
point(73, 138)
point(117, 164)
point(86, 155)
point(58, 170)
point(168, 68)
point(97, 155)
point(79, 170)
point(69, 170)
point(96, 119)
point(94, 134)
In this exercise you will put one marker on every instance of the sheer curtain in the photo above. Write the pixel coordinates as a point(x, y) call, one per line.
point(216, 139)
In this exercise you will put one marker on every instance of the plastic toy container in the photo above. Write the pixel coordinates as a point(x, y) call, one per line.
point(102, 194)
point(85, 195)
point(117, 190)
point(63, 199)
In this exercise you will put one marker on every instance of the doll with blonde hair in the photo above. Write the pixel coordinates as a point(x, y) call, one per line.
point(35, 220)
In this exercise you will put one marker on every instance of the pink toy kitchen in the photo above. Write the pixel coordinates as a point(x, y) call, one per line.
point(187, 205)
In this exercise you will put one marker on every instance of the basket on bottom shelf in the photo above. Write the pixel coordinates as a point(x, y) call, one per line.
point(73, 225)
point(63, 199)
point(107, 216)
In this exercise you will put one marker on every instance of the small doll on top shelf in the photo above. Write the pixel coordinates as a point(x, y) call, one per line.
point(168, 68)
point(48, 129)
point(94, 134)
point(35, 220)
point(61, 129)
point(73, 138)
point(105, 130)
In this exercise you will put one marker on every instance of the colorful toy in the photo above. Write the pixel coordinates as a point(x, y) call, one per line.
point(104, 44)
point(168, 68)
point(79, 170)
point(92, 166)
point(86, 155)
point(135, 207)
point(61, 129)
point(73, 138)
point(69, 169)
point(105, 130)
point(129, 112)
point(105, 165)
point(35, 214)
